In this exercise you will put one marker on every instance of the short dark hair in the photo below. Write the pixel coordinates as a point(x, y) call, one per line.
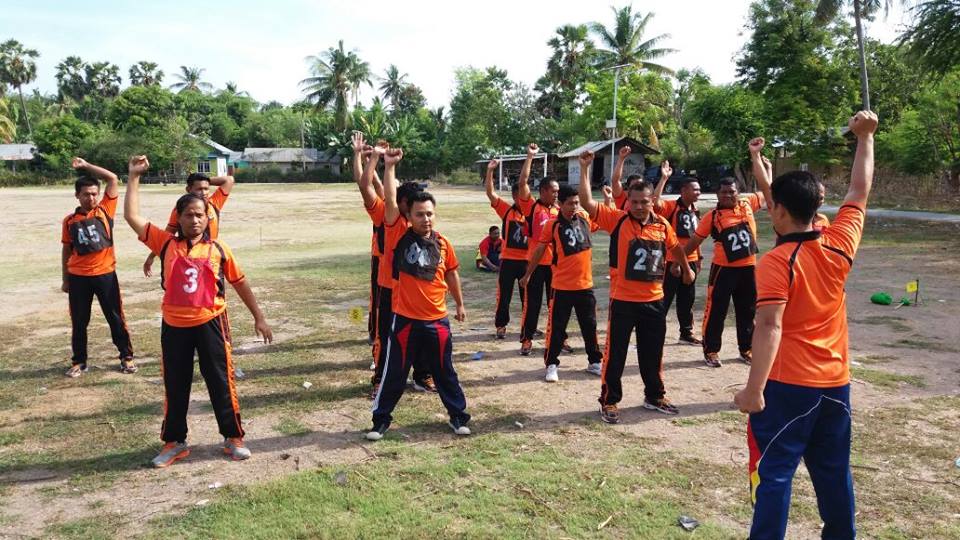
point(196, 177)
point(728, 181)
point(493, 228)
point(407, 191)
point(689, 180)
point(85, 181)
point(421, 196)
point(515, 188)
point(633, 177)
point(544, 182)
point(797, 192)
point(566, 191)
point(642, 185)
point(183, 202)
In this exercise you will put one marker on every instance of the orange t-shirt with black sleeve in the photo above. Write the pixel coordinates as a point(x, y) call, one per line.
point(215, 204)
point(637, 253)
point(734, 232)
point(513, 230)
point(807, 272)
point(572, 251)
point(419, 269)
point(90, 237)
point(376, 213)
point(684, 221)
point(385, 272)
point(185, 287)
point(537, 215)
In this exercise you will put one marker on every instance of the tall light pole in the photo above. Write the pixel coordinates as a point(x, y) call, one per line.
point(613, 123)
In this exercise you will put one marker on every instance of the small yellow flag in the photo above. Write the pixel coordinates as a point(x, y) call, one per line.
point(912, 286)
point(356, 314)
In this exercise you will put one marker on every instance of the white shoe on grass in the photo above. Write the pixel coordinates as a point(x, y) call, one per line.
point(458, 428)
point(552, 374)
point(595, 368)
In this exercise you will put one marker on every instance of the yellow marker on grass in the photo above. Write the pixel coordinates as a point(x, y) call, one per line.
point(356, 315)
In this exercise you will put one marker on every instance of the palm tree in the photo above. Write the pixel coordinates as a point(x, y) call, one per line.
point(625, 42)
point(17, 68)
point(828, 10)
point(393, 85)
point(190, 80)
point(145, 73)
point(567, 69)
point(232, 90)
point(336, 75)
point(103, 79)
point(8, 128)
point(70, 78)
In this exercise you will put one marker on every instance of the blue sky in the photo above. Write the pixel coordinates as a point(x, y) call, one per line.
point(262, 45)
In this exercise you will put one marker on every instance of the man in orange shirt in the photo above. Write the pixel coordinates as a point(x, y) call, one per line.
point(194, 272)
point(617, 191)
point(568, 236)
point(488, 252)
point(376, 243)
point(89, 265)
point(513, 257)
point(798, 391)
point(376, 209)
point(734, 231)
point(424, 266)
point(537, 213)
point(638, 241)
point(199, 184)
point(683, 216)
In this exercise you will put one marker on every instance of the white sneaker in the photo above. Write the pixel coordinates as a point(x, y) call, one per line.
point(458, 428)
point(373, 366)
point(595, 368)
point(552, 375)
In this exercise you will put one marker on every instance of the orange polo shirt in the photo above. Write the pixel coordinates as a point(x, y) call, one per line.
point(419, 277)
point(215, 204)
point(513, 230)
point(637, 253)
point(537, 215)
point(84, 231)
point(808, 272)
point(734, 232)
point(223, 263)
point(684, 221)
point(378, 238)
point(385, 272)
point(573, 251)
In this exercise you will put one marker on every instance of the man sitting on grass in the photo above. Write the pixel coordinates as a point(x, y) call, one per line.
point(488, 255)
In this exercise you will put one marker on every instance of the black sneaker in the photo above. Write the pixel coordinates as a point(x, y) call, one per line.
point(689, 339)
point(566, 348)
point(538, 333)
point(459, 427)
point(377, 432)
point(502, 332)
point(662, 405)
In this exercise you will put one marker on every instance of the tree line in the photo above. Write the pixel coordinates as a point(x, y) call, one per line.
point(797, 79)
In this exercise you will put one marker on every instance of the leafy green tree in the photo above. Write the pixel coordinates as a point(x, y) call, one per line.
point(568, 69)
point(141, 107)
point(190, 79)
point(273, 128)
point(643, 101)
point(410, 101)
point(59, 139)
point(932, 39)
point(145, 73)
point(8, 127)
point(17, 68)
point(479, 121)
point(625, 43)
point(734, 115)
point(335, 76)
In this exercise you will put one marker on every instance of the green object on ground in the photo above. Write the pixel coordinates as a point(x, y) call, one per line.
point(881, 298)
point(905, 301)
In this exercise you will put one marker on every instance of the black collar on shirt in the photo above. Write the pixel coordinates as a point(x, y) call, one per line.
point(798, 237)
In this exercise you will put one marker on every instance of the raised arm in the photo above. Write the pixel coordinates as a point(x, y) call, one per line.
point(357, 144)
point(586, 195)
point(131, 202)
point(666, 171)
point(615, 186)
point(367, 190)
point(863, 125)
point(488, 181)
point(112, 189)
point(391, 157)
point(250, 300)
point(524, 191)
point(225, 183)
point(763, 175)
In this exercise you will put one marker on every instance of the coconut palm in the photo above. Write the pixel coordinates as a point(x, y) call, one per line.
point(624, 42)
point(393, 85)
point(145, 73)
point(103, 79)
point(8, 128)
point(17, 68)
point(336, 75)
point(190, 80)
point(71, 81)
point(828, 10)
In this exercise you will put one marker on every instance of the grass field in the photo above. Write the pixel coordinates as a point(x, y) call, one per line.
point(73, 453)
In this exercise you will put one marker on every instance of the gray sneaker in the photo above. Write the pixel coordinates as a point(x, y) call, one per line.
point(171, 453)
point(595, 368)
point(234, 448)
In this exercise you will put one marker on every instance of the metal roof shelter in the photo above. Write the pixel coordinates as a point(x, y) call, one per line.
point(513, 157)
point(601, 165)
point(17, 152)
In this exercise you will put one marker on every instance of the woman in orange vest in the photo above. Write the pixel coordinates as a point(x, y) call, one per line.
point(193, 271)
